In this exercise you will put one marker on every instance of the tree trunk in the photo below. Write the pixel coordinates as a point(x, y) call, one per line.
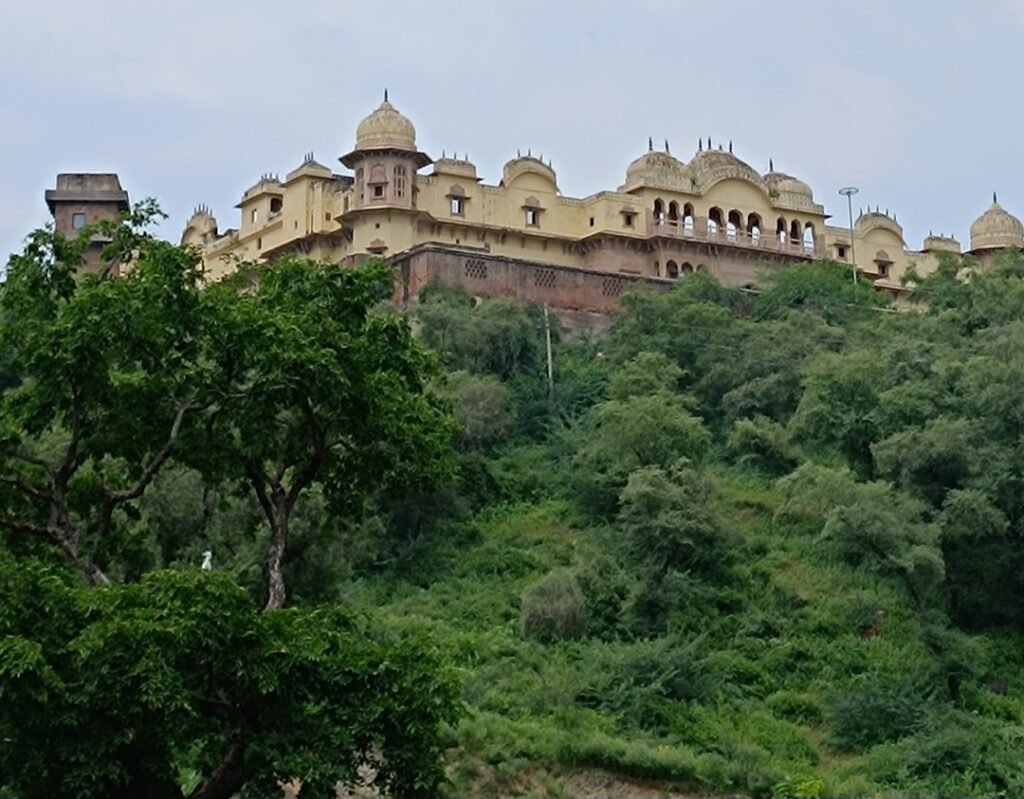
point(228, 778)
point(275, 556)
point(68, 541)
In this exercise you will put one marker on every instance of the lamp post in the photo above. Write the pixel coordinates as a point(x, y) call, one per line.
point(848, 193)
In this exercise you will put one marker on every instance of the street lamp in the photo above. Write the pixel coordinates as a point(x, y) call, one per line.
point(848, 193)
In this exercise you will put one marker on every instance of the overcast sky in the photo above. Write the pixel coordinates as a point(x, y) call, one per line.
point(917, 103)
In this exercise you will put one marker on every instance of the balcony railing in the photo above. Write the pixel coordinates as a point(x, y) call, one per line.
point(700, 230)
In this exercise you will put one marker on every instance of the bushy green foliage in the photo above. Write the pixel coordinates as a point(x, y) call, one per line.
point(767, 545)
point(554, 608)
point(761, 444)
point(114, 692)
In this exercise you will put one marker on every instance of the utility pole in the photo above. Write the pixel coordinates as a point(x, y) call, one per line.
point(551, 364)
point(848, 193)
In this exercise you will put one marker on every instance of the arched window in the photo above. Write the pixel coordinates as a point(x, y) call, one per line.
point(686, 268)
point(378, 180)
point(688, 219)
point(754, 228)
point(734, 225)
point(714, 221)
point(659, 211)
point(671, 269)
point(657, 268)
point(809, 238)
point(701, 268)
point(780, 230)
point(673, 211)
point(275, 205)
point(399, 181)
point(796, 233)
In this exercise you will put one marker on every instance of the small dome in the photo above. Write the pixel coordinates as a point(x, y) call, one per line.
point(460, 167)
point(385, 128)
point(709, 166)
point(709, 159)
point(201, 227)
point(527, 164)
point(996, 228)
point(660, 168)
point(787, 184)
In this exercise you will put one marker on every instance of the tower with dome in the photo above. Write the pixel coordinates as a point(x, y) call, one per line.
point(519, 236)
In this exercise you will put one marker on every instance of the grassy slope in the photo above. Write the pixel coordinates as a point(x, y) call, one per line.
point(763, 668)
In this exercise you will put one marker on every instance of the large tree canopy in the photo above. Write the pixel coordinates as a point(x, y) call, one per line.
point(320, 386)
point(176, 686)
point(170, 683)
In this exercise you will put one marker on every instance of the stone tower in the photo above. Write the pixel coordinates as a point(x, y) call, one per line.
point(81, 199)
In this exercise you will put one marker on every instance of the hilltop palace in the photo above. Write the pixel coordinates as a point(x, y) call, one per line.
point(435, 220)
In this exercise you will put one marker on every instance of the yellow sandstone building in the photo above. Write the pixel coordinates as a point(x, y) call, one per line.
point(436, 220)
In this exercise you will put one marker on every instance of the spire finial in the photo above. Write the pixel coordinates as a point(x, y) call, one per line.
point(709, 142)
point(386, 97)
point(650, 144)
point(700, 145)
point(666, 146)
point(730, 145)
point(771, 165)
point(995, 200)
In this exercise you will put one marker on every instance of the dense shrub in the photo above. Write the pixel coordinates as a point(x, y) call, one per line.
point(875, 712)
point(554, 609)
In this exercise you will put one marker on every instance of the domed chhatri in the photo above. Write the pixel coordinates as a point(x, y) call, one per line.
point(385, 130)
point(658, 169)
point(787, 184)
point(996, 229)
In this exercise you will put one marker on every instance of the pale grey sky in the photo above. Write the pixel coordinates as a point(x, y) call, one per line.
point(917, 103)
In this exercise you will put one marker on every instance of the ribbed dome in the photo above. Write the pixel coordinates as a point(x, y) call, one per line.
point(996, 228)
point(655, 165)
point(787, 184)
point(710, 166)
point(385, 128)
point(712, 159)
point(527, 164)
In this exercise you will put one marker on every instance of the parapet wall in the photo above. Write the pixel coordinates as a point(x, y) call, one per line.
point(484, 274)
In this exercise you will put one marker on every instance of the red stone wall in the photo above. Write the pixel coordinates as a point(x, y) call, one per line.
point(486, 275)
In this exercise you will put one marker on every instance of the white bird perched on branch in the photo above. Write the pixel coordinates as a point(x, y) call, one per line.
point(207, 561)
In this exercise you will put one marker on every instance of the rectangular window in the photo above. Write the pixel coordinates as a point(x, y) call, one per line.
point(259, 244)
point(532, 217)
point(77, 221)
point(628, 220)
point(378, 191)
point(457, 206)
point(842, 252)
point(591, 221)
point(255, 216)
point(883, 270)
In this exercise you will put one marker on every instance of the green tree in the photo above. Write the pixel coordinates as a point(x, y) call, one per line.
point(669, 521)
point(839, 404)
point(873, 525)
point(483, 408)
point(621, 436)
point(825, 288)
point(177, 687)
point(109, 378)
point(323, 388)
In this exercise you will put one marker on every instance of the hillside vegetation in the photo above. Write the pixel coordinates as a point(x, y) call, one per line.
point(763, 545)
point(758, 545)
